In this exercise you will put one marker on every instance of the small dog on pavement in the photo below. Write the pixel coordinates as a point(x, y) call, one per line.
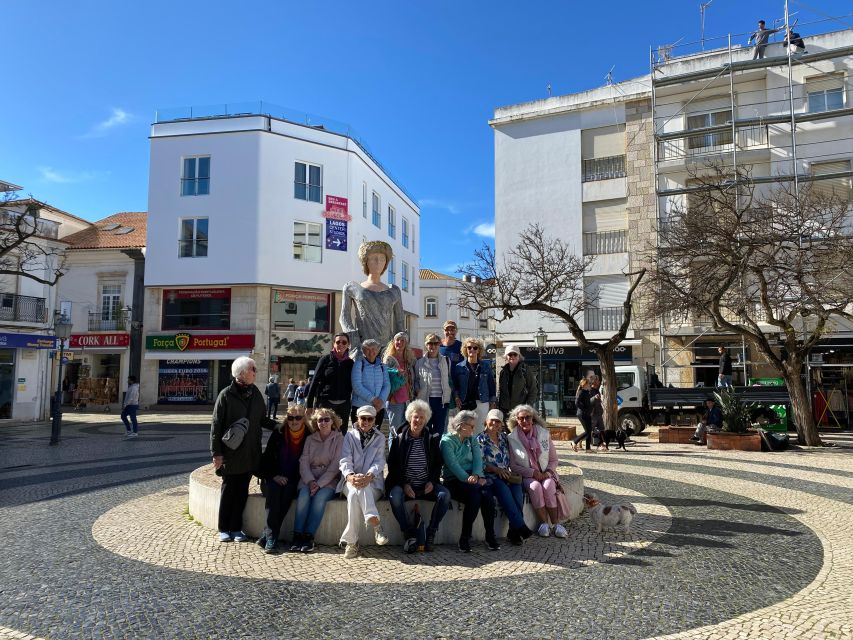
point(609, 516)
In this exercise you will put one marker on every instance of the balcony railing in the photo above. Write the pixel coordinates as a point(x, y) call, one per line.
point(22, 308)
point(604, 168)
point(603, 318)
point(605, 242)
point(108, 321)
point(43, 228)
point(709, 143)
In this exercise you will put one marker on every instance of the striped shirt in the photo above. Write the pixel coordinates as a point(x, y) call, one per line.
point(416, 465)
point(435, 390)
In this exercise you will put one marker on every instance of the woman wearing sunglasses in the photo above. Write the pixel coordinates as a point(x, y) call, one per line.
point(433, 374)
point(331, 386)
point(280, 472)
point(474, 383)
point(319, 474)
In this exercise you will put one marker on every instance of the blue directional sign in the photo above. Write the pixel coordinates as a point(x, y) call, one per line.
point(336, 235)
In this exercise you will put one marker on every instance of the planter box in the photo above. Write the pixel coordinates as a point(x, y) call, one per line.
point(562, 433)
point(734, 441)
point(676, 435)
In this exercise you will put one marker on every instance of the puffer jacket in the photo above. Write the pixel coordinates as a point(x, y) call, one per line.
point(232, 404)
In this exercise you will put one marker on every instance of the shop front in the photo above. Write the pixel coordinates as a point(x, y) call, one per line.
point(24, 367)
point(193, 368)
point(562, 369)
point(301, 332)
point(830, 376)
point(97, 366)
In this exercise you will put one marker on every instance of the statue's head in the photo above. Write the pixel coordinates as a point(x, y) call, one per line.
point(366, 249)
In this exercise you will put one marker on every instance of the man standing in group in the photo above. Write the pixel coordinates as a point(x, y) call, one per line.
point(130, 407)
point(724, 376)
point(761, 36)
point(450, 346)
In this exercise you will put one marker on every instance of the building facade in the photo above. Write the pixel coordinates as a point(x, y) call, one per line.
point(440, 303)
point(254, 226)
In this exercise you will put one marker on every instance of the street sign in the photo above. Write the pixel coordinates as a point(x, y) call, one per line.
point(336, 235)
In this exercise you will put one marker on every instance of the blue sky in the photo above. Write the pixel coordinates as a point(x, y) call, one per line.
point(418, 80)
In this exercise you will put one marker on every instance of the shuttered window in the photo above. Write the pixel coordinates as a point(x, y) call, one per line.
point(605, 215)
point(841, 187)
point(603, 142)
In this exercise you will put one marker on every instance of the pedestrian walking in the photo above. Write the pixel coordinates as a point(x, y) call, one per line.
point(301, 393)
point(273, 393)
point(290, 392)
point(724, 375)
point(130, 407)
point(761, 36)
point(583, 410)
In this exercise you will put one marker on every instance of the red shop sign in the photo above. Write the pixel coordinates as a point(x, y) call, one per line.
point(337, 208)
point(84, 340)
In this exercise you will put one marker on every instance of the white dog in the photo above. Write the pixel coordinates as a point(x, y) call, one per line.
point(609, 516)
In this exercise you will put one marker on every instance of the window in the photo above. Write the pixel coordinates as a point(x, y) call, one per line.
point(603, 151)
point(413, 239)
point(193, 240)
point(483, 321)
point(364, 200)
point(196, 308)
point(431, 307)
point(110, 301)
point(841, 188)
point(377, 216)
point(392, 222)
point(404, 277)
point(405, 233)
point(624, 380)
point(711, 119)
point(825, 93)
point(464, 312)
point(195, 180)
point(306, 241)
point(308, 182)
point(300, 311)
point(392, 272)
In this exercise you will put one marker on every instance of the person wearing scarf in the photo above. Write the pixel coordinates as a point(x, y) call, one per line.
point(534, 457)
point(280, 473)
point(331, 386)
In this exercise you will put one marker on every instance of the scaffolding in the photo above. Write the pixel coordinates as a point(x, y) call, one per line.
point(786, 115)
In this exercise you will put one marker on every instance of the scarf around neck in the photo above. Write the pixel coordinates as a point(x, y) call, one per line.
point(531, 444)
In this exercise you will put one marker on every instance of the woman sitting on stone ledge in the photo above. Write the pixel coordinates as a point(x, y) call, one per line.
point(319, 475)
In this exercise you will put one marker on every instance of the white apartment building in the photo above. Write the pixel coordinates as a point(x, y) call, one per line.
point(27, 312)
point(102, 293)
point(254, 225)
point(440, 303)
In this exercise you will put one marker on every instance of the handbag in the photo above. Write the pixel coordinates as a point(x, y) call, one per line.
point(564, 509)
point(235, 434)
point(515, 478)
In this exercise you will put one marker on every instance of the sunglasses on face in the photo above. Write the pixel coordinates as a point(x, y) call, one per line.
point(292, 417)
point(473, 348)
point(450, 330)
point(324, 419)
point(344, 342)
point(433, 344)
point(524, 418)
point(366, 418)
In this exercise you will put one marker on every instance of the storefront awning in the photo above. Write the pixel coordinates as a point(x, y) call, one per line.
point(194, 355)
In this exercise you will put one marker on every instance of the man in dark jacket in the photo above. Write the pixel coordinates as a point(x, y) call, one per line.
point(724, 375)
point(240, 400)
point(331, 386)
point(414, 467)
point(711, 421)
point(516, 382)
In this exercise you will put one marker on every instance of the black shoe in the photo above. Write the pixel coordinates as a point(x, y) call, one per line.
point(429, 544)
point(465, 544)
point(296, 545)
point(307, 544)
point(410, 545)
point(262, 542)
point(492, 543)
point(525, 532)
point(514, 537)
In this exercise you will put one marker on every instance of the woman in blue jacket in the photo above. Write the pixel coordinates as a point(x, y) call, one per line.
point(370, 382)
point(474, 382)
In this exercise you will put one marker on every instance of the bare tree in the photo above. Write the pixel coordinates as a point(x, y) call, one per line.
point(771, 263)
point(545, 274)
point(25, 248)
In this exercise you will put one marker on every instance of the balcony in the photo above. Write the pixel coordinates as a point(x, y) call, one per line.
point(108, 320)
point(703, 142)
point(603, 318)
point(603, 168)
point(603, 242)
point(43, 228)
point(22, 308)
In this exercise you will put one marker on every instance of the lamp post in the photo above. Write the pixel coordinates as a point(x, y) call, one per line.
point(62, 330)
point(541, 339)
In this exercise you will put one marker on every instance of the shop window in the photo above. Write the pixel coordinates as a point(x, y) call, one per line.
point(184, 382)
point(196, 308)
point(300, 311)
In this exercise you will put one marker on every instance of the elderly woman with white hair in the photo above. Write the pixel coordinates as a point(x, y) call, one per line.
point(534, 457)
point(370, 382)
point(414, 467)
point(465, 479)
point(235, 444)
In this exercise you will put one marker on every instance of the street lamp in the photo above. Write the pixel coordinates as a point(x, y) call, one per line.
point(62, 330)
point(541, 339)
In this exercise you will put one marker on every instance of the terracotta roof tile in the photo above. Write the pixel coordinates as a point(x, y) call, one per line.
point(125, 230)
point(429, 274)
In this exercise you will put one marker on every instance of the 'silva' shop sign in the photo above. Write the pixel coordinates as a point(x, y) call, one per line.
point(207, 342)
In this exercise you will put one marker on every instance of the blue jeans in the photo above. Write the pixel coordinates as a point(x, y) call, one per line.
point(310, 509)
point(724, 381)
point(511, 499)
point(438, 422)
point(396, 417)
point(439, 495)
point(272, 407)
point(130, 411)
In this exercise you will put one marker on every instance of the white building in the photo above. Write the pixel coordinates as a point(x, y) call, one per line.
point(254, 226)
point(102, 291)
point(440, 303)
point(27, 311)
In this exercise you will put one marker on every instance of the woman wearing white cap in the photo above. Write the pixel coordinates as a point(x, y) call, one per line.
point(517, 383)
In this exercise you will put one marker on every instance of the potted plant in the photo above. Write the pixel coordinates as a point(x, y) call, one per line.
point(736, 424)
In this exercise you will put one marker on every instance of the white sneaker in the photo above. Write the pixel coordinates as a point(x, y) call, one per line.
point(544, 530)
point(560, 531)
point(351, 551)
point(379, 535)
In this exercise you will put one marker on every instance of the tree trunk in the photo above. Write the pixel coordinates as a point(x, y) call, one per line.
point(608, 388)
point(801, 406)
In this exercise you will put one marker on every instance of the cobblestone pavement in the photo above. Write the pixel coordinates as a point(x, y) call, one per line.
point(97, 544)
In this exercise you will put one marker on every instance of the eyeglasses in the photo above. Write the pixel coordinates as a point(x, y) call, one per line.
point(433, 344)
point(324, 419)
point(366, 418)
point(292, 417)
point(473, 348)
point(253, 369)
point(344, 342)
point(450, 330)
point(466, 425)
point(524, 418)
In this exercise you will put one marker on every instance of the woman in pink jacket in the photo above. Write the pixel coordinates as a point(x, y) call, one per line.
point(319, 473)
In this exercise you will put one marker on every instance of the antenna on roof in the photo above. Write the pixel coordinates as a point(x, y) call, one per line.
point(702, 8)
point(609, 77)
point(665, 51)
point(549, 89)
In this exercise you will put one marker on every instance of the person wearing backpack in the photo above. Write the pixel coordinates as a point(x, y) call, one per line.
point(517, 383)
point(301, 393)
point(370, 382)
point(290, 392)
point(432, 372)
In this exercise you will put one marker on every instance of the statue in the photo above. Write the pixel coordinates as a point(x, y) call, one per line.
point(371, 309)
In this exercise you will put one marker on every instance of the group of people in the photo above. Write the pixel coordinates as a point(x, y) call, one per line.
point(294, 393)
point(476, 459)
point(761, 36)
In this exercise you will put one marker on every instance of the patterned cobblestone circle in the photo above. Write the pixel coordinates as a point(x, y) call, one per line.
point(156, 530)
